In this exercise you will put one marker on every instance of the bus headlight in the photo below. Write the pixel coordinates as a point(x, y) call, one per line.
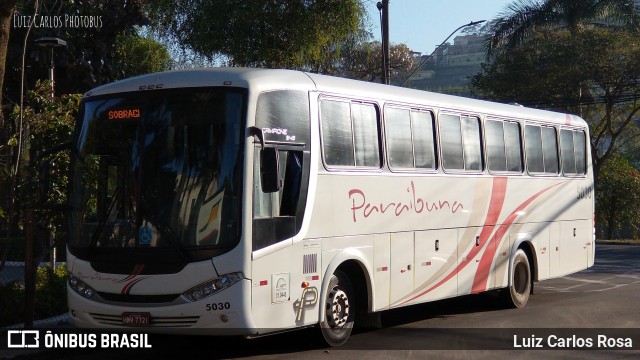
point(81, 288)
point(211, 287)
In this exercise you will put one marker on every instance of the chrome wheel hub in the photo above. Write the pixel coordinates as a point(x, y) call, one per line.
point(337, 308)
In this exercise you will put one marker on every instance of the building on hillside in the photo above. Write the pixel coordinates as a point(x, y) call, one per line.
point(449, 68)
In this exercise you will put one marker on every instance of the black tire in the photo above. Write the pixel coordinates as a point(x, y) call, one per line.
point(517, 294)
point(340, 310)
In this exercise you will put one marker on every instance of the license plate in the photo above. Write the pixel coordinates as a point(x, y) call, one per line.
point(135, 319)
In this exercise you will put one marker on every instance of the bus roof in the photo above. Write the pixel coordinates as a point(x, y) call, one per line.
point(281, 78)
point(201, 77)
point(403, 95)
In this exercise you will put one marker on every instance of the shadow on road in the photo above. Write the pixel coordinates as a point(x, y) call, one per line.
point(309, 339)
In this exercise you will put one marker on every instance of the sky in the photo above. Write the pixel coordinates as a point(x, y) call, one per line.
point(424, 24)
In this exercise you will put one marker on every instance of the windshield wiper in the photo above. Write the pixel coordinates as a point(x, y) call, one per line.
point(103, 221)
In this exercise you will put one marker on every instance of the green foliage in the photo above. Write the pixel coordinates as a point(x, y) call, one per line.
point(51, 296)
point(49, 122)
point(11, 303)
point(141, 55)
point(524, 18)
point(557, 69)
point(279, 34)
point(363, 61)
point(90, 57)
point(618, 197)
point(51, 291)
point(573, 72)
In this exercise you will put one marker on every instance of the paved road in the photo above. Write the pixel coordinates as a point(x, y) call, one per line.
point(584, 304)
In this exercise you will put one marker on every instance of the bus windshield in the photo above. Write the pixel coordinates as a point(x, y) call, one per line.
point(159, 169)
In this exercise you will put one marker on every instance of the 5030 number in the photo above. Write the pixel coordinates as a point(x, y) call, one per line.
point(584, 192)
point(218, 306)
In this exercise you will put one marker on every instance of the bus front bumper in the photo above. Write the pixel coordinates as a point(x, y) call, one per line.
point(225, 313)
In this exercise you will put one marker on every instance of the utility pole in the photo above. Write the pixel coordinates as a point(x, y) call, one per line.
point(383, 7)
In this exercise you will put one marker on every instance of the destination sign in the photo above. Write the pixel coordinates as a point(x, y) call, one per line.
point(124, 114)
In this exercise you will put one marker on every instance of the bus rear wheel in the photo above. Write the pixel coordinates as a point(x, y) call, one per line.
point(517, 294)
point(340, 309)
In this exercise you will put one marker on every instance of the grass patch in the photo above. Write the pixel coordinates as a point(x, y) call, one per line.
point(51, 296)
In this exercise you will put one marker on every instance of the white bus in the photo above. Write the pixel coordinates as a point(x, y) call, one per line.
point(235, 201)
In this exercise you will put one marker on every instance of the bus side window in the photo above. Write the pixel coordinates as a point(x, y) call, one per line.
point(292, 181)
point(399, 142)
point(533, 149)
point(261, 200)
point(568, 153)
point(550, 150)
point(423, 139)
point(285, 201)
point(580, 146)
point(451, 140)
point(275, 214)
point(503, 144)
point(541, 147)
point(573, 147)
point(460, 138)
point(350, 134)
point(495, 142)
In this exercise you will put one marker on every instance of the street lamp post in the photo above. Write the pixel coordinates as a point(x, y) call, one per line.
point(438, 47)
point(383, 7)
point(51, 42)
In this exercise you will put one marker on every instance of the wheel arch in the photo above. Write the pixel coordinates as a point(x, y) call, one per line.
point(354, 264)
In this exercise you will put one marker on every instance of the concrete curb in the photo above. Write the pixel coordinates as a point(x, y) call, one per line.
point(610, 242)
point(60, 321)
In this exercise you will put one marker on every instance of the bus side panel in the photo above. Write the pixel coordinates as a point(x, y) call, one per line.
point(381, 274)
point(535, 233)
point(554, 250)
point(279, 299)
point(574, 249)
point(401, 265)
point(436, 255)
point(541, 246)
point(473, 243)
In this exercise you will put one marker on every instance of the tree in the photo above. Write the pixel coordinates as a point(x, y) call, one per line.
point(6, 13)
point(141, 55)
point(363, 61)
point(278, 33)
point(574, 73)
point(49, 122)
point(618, 197)
point(524, 18)
point(90, 57)
point(103, 45)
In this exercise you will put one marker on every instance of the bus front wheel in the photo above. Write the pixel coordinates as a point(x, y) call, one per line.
point(340, 309)
point(517, 294)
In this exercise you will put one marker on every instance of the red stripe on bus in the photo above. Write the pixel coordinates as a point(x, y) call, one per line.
point(136, 271)
point(127, 288)
point(482, 274)
point(496, 202)
point(502, 229)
